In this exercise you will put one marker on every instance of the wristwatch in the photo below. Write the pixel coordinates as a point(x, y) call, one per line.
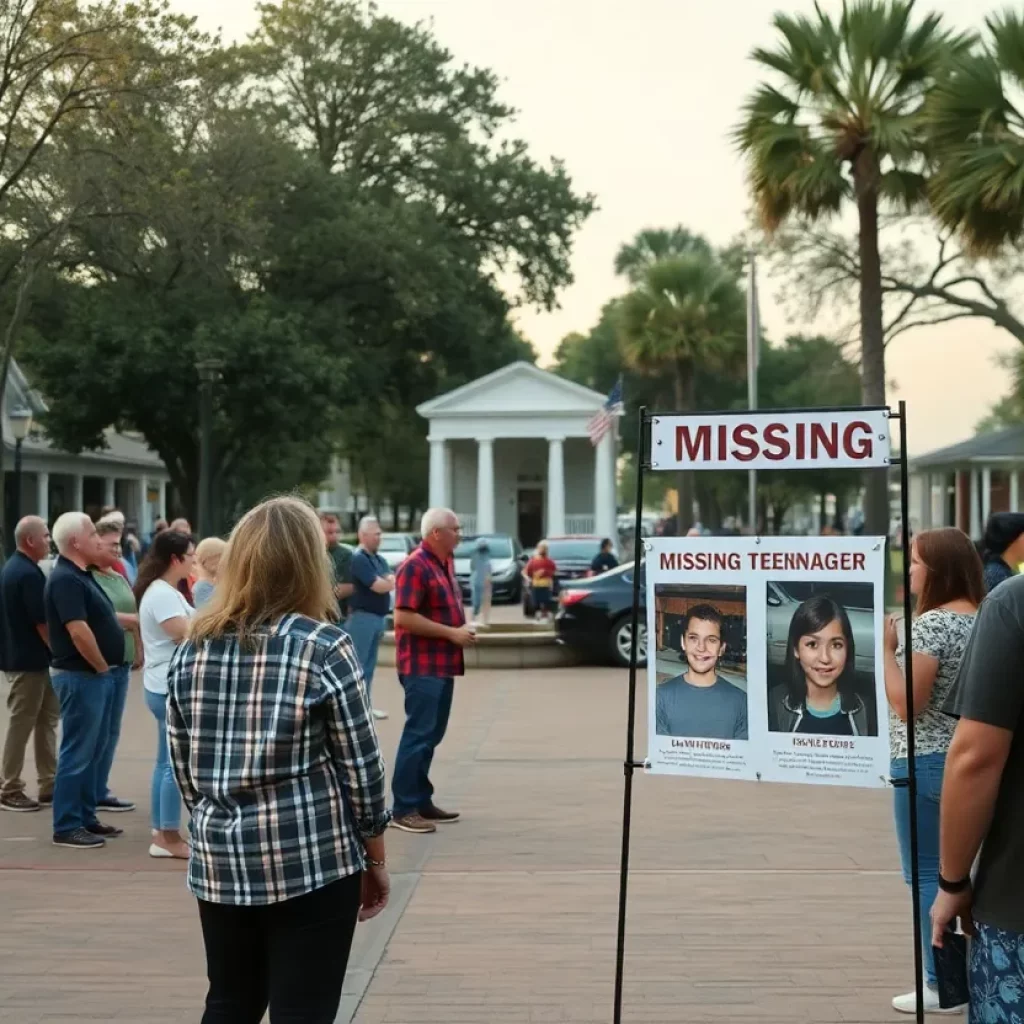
point(954, 887)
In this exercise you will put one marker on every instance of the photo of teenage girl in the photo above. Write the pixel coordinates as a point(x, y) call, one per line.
point(819, 693)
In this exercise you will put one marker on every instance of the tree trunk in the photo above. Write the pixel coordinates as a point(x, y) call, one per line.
point(872, 372)
point(822, 515)
point(684, 384)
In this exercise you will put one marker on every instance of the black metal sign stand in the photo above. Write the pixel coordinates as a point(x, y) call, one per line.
point(630, 765)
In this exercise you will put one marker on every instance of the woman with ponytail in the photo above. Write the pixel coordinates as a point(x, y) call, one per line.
point(163, 620)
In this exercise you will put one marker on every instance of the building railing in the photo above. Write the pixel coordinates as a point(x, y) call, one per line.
point(468, 521)
point(579, 524)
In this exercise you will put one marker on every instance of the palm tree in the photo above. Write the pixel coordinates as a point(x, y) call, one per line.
point(653, 244)
point(977, 130)
point(687, 313)
point(845, 122)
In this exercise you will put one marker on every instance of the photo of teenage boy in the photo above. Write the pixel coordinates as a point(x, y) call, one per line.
point(699, 702)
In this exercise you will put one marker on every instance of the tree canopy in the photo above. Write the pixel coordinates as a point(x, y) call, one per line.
point(323, 210)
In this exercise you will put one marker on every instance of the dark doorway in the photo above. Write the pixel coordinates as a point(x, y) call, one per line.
point(530, 522)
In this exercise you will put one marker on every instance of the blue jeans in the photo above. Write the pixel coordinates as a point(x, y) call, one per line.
point(428, 703)
point(122, 676)
point(929, 791)
point(365, 628)
point(86, 701)
point(164, 798)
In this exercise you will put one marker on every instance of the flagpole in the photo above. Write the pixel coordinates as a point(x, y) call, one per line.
point(753, 334)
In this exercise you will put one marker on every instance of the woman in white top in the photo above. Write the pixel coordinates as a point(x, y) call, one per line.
point(164, 614)
point(946, 579)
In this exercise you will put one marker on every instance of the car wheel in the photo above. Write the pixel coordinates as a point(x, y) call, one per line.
point(621, 642)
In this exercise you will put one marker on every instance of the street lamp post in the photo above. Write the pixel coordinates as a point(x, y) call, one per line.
point(20, 421)
point(209, 373)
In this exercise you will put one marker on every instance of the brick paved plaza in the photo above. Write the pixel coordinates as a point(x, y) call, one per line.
point(748, 903)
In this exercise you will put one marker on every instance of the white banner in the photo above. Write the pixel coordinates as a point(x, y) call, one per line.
point(772, 440)
point(765, 659)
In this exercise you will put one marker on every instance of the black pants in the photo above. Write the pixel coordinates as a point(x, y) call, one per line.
point(291, 956)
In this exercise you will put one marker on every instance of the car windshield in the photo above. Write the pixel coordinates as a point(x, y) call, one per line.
point(574, 549)
point(497, 546)
point(393, 542)
point(850, 595)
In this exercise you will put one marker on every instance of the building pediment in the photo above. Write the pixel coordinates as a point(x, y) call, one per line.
point(519, 389)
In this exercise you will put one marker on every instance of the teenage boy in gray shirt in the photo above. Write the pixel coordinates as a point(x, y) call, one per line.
point(700, 702)
point(983, 807)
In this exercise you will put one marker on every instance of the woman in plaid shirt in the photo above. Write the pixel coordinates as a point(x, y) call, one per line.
point(273, 747)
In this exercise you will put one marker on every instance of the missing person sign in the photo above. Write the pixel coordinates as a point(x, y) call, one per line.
point(772, 440)
point(765, 659)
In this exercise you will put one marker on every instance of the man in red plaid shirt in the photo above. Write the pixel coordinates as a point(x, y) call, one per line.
point(430, 633)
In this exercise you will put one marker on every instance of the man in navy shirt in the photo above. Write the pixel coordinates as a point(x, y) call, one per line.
point(86, 640)
point(372, 586)
point(32, 702)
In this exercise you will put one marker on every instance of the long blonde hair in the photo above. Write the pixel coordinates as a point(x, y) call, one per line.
point(209, 553)
point(275, 564)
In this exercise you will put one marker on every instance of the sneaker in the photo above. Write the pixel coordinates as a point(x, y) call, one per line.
point(379, 715)
point(908, 1003)
point(107, 831)
point(45, 799)
point(435, 814)
point(78, 839)
point(112, 805)
point(413, 823)
point(18, 802)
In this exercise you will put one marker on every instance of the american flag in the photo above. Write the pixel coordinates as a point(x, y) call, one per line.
point(602, 421)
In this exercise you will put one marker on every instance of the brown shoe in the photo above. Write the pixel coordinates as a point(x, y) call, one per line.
point(413, 823)
point(438, 816)
point(18, 802)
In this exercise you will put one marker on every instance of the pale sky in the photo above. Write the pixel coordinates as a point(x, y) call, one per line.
point(638, 99)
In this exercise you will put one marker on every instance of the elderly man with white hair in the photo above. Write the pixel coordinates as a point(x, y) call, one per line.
point(430, 633)
point(86, 640)
point(372, 586)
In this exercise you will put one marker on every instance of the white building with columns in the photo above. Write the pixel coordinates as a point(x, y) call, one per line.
point(511, 453)
point(962, 485)
point(127, 473)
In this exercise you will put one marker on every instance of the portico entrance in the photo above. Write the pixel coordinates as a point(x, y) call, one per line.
point(511, 453)
point(530, 516)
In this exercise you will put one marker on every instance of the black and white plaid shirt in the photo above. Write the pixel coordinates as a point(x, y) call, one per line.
point(276, 757)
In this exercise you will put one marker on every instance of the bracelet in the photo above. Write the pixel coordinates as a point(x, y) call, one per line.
point(954, 887)
point(371, 863)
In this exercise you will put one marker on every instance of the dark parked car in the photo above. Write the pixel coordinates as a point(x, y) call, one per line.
point(594, 616)
point(507, 562)
point(572, 557)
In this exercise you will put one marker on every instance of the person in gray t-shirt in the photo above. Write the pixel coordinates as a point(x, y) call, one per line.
point(983, 806)
point(700, 702)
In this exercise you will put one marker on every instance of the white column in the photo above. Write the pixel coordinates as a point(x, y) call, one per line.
point(604, 487)
point(975, 519)
point(43, 495)
point(143, 517)
point(556, 487)
point(438, 492)
point(485, 486)
point(77, 490)
point(986, 496)
point(1014, 490)
point(109, 491)
point(162, 501)
point(926, 501)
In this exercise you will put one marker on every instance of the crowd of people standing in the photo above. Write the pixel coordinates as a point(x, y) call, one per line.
point(258, 658)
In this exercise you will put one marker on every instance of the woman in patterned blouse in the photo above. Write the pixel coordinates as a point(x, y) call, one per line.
point(946, 579)
point(274, 750)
